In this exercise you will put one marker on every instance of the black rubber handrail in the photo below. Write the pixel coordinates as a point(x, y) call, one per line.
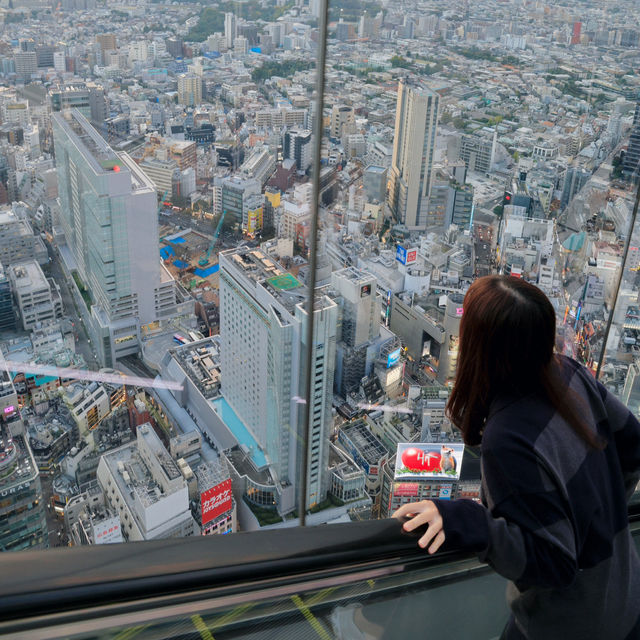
point(49, 581)
point(46, 581)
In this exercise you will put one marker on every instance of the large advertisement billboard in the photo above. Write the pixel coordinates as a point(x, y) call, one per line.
point(426, 461)
point(216, 501)
point(393, 357)
point(401, 254)
point(406, 256)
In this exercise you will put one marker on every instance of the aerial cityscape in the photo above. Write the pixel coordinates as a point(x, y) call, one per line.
point(157, 211)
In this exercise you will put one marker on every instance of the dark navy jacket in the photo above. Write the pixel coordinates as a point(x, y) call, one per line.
point(554, 520)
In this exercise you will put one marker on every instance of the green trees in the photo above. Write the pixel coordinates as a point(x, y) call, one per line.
point(212, 18)
point(351, 10)
point(399, 61)
point(283, 69)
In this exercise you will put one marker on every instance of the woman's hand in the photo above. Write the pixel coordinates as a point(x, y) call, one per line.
point(421, 513)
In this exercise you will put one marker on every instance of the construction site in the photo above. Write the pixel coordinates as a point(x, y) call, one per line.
point(190, 256)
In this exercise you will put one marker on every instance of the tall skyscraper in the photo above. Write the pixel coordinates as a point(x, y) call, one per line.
point(230, 29)
point(631, 162)
point(109, 216)
point(413, 149)
point(575, 178)
point(263, 356)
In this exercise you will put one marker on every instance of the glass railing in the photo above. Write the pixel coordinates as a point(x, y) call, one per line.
point(182, 187)
point(338, 581)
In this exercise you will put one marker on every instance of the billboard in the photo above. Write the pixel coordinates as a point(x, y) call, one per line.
point(406, 256)
point(409, 489)
point(254, 220)
point(426, 461)
point(216, 501)
point(107, 531)
point(401, 254)
point(445, 492)
point(392, 376)
point(393, 357)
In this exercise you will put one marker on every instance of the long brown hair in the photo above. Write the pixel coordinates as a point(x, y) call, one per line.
point(507, 335)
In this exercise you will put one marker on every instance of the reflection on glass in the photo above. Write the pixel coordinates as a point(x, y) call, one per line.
point(181, 192)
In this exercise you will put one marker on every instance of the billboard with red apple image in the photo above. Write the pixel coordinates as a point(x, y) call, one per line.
point(425, 461)
point(216, 501)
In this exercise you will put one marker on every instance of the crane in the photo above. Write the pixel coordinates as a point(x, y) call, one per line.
point(204, 261)
point(163, 201)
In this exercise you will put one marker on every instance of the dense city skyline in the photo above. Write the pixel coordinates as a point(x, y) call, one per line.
point(156, 222)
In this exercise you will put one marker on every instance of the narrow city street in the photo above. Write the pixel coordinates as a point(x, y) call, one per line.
point(55, 524)
point(83, 342)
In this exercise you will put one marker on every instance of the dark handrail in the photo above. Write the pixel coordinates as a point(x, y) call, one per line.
point(43, 582)
point(52, 580)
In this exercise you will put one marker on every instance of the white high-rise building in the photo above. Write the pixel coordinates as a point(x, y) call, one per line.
point(230, 29)
point(108, 212)
point(59, 61)
point(413, 151)
point(263, 356)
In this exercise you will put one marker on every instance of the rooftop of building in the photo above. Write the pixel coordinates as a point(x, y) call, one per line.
point(6, 386)
point(239, 182)
point(44, 429)
point(27, 276)
point(154, 443)
point(201, 362)
point(259, 268)
point(355, 275)
point(16, 461)
point(153, 162)
point(85, 136)
point(244, 467)
point(368, 446)
point(341, 464)
point(8, 217)
point(102, 158)
point(209, 475)
point(132, 475)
